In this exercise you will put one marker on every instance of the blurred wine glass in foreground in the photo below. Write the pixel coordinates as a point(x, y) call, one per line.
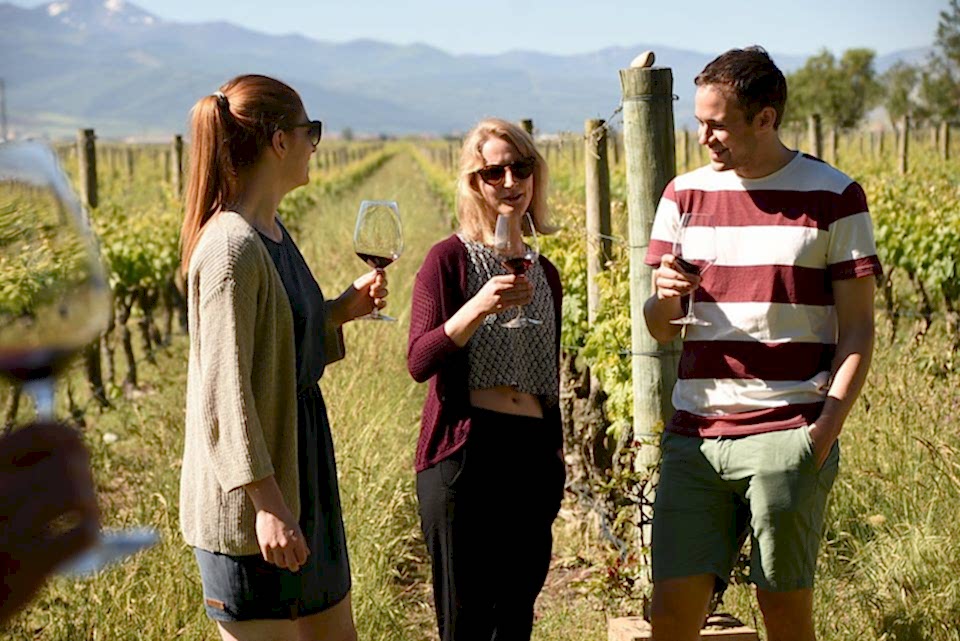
point(54, 296)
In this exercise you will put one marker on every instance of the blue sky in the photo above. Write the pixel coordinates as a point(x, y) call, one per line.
point(567, 26)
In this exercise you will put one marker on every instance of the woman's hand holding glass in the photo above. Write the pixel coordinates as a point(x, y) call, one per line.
point(367, 293)
point(517, 258)
point(503, 292)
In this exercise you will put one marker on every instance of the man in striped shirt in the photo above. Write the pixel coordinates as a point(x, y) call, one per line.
point(786, 293)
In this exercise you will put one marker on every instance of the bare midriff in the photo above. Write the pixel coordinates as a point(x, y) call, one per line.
point(506, 400)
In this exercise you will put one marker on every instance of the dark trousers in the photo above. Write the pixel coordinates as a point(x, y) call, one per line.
point(486, 513)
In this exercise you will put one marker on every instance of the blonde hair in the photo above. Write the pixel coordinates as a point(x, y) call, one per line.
point(228, 131)
point(474, 214)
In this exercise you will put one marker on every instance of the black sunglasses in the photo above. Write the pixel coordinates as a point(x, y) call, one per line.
point(316, 130)
point(520, 169)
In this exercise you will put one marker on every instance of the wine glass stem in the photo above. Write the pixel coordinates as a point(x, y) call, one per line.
point(41, 390)
point(375, 312)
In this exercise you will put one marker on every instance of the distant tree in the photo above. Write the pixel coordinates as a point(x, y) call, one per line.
point(346, 133)
point(840, 91)
point(940, 81)
point(940, 91)
point(948, 34)
point(900, 83)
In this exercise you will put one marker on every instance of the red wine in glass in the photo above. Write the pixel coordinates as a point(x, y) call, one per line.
point(24, 365)
point(376, 262)
point(519, 264)
point(690, 268)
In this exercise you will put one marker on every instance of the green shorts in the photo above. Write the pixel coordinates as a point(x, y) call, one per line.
point(712, 491)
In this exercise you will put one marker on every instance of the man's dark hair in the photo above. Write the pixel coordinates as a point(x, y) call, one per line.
point(749, 75)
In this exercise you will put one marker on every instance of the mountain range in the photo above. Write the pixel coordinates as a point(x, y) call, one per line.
point(110, 65)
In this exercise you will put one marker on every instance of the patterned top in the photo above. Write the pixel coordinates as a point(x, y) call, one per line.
point(523, 358)
point(764, 362)
point(439, 292)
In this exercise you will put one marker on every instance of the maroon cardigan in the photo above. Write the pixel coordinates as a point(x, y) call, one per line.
point(439, 291)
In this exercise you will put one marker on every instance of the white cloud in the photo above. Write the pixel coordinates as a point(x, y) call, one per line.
point(56, 8)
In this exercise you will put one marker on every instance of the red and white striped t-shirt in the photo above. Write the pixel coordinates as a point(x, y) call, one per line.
point(764, 362)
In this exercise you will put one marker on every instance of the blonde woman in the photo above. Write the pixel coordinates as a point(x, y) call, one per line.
point(489, 464)
point(259, 500)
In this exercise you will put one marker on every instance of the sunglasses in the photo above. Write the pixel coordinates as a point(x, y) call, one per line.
point(519, 169)
point(315, 132)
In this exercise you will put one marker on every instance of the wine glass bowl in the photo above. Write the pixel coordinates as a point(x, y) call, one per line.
point(516, 257)
point(695, 249)
point(378, 240)
point(54, 298)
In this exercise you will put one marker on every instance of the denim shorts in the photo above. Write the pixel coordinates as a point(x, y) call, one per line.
point(244, 588)
point(713, 491)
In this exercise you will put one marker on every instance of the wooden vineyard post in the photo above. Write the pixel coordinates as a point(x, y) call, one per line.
point(87, 159)
point(834, 146)
point(685, 149)
point(131, 165)
point(166, 160)
point(176, 166)
point(945, 140)
point(648, 140)
point(815, 136)
point(615, 148)
point(903, 150)
point(598, 209)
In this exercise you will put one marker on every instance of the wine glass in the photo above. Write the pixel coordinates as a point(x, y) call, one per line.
point(378, 240)
point(54, 298)
point(517, 257)
point(695, 248)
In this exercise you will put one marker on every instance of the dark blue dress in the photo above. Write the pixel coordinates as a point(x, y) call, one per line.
point(239, 588)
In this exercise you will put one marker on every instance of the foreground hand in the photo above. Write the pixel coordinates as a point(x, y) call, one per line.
point(671, 280)
point(366, 293)
point(281, 540)
point(503, 292)
point(48, 512)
